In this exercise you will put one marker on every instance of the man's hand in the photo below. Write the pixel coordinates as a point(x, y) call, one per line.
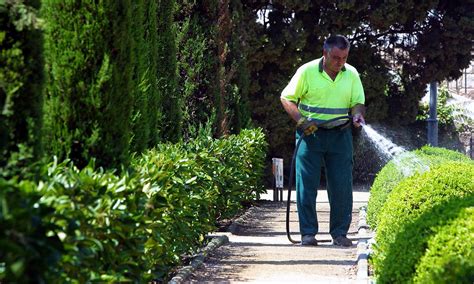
point(358, 112)
point(306, 125)
point(358, 119)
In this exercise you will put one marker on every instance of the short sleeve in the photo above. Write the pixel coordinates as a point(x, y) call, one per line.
point(296, 88)
point(357, 96)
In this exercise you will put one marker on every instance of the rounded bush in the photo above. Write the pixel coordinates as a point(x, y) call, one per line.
point(415, 207)
point(402, 167)
point(449, 257)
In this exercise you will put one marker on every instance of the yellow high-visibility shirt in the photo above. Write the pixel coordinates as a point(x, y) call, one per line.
point(321, 98)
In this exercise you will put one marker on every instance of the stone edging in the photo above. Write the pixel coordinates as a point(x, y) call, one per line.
point(239, 223)
point(217, 241)
point(363, 247)
point(198, 260)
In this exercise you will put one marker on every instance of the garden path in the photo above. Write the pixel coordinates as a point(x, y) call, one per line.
point(258, 250)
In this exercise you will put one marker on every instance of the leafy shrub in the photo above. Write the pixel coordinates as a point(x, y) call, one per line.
point(401, 167)
point(90, 224)
point(415, 207)
point(185, 195)
point(449, 257)
point(440, 155)
point(26, 250)
point(100, 219)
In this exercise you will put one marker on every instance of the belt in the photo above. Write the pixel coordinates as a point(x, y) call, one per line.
point(339, 127)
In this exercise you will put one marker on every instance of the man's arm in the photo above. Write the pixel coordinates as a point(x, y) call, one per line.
point(291, 108)
point(358, 112)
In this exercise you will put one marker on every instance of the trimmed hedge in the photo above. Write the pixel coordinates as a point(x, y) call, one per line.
point(449, 257)
point(101, 220)
point(130, 227)
point(401, 167)
point(413, 210)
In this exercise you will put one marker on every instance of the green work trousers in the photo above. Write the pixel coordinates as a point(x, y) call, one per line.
point(333, 150)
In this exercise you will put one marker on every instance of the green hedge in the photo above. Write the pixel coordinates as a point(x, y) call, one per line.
point(413, 210)
point(449, 257)
point(401, 167)
point(101, 220)
point(130, 227)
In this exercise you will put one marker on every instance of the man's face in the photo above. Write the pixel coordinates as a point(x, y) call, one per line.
point(335, 59)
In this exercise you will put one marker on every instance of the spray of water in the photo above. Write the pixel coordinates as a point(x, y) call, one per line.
point(407, 162)
point(386, 147)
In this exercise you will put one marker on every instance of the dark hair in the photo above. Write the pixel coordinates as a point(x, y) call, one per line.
point(338, 41)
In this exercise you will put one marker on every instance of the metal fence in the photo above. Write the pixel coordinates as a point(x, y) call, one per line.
point(465, 84)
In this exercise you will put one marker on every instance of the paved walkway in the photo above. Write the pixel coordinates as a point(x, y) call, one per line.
point(258, 250)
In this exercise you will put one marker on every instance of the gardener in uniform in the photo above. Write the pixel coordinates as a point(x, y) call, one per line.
point(321, 90)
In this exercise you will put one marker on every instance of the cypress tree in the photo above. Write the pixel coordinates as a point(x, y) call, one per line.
point(240, 81)
point(169, 101)
point(212, 65)
point(88, 54)
point(140, 78)
point(224, 76)
point(154, 105)
point(115, 123)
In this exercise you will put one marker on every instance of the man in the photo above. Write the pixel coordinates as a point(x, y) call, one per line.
point(321, 90)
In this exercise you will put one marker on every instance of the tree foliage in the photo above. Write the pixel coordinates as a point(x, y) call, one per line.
point(122, 77)
point(397, 46)
point(88, 52)
point(170, 101)
point(212, 65)
point(21, 80)
point(111, 85)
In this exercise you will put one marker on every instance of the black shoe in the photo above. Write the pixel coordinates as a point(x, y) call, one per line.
point(342, 241)
point(309, 240)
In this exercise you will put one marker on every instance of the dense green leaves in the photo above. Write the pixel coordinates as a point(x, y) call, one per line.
point(88, 55)
point(400, 168)
point(111, 79)
point(449, 256)
point(169, 102)
point(213, 74)
point(90, 224)
point(27, 251)
point(413, 210)
point(21, 80)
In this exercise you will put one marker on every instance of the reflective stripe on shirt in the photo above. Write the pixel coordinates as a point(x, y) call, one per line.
point(321, 110)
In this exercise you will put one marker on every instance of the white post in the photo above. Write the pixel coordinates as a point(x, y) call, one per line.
point(277, 169)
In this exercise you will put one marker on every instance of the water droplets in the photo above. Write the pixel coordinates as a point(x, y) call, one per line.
point(385, 147)
point(406, 162)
